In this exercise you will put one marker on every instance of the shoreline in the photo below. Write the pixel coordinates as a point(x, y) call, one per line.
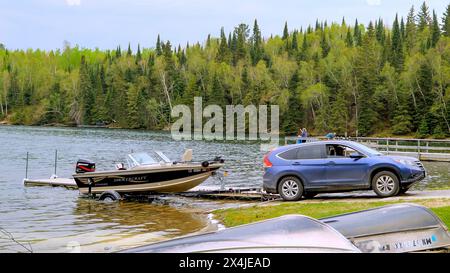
point(61, 125)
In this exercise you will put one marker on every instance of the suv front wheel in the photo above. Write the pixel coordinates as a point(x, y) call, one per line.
point(290, 188)
point(385, 184)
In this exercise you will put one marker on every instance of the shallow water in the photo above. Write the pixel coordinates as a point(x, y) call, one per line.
point(56, 219)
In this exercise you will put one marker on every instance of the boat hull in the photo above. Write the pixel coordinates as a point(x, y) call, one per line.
point(168, 179)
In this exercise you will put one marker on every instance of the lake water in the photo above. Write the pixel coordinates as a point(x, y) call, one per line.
point(56, 219)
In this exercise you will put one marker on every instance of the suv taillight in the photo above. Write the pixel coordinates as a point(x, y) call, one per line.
point(267, 163)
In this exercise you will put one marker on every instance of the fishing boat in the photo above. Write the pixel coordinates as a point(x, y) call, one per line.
point(146, 172)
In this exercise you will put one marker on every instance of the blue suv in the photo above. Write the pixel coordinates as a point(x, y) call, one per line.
point(307, 169)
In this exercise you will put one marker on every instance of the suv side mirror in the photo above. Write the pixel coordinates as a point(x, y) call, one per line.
point(356, 155)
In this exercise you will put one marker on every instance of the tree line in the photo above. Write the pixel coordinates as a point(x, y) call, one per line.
point(342, 77)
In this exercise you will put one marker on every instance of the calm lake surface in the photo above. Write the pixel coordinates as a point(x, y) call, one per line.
point(57, 219)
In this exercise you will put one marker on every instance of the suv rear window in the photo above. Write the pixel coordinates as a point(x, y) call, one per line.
point(290, 154)
point(307, 152)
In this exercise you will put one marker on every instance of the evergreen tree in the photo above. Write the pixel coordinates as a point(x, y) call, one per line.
point(54, 110)
point(118, 52)
point(223, 53)
point(401, 123)
point(133, 99)
point(424, 17)
point(217, 95)
point(208, 41)
point(129, 52)
point(387, 49)
point(423, 94)
point(183, 58)
point(402, 29)
point(138, 53)
point(285, 38)
point(240, 36)
point(294, 48)
point(423, 130)
point(349, 38)
point(304, 52)
point(410, 30)
point(366, 71)
point(325, 46)
point(158, 49)
point(285, 32)
point(256, 47)
point(13, 90)
point(86, 92)
point(318, 26)
point(379, 28)
point(397, 47)
point(435, 30)
point(294, 115)
point(438, 133)
point(446, 22)
point(357, 36)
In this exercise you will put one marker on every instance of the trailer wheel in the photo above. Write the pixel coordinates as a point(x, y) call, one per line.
point(110, 196)
point(290, 188)
point(385, 184)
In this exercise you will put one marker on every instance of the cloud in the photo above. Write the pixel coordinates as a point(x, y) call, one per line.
point(373, 2)
point(73, 2)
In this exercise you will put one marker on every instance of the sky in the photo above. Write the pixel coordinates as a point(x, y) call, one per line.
point(105, 24)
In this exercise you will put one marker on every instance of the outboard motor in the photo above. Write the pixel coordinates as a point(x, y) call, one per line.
point(85, 166)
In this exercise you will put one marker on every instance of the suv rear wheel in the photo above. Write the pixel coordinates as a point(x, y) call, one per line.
point(385, 184)
point(290, 188)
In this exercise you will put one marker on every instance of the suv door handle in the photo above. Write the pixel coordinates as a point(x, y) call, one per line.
point(296, 163)
point(331, 163)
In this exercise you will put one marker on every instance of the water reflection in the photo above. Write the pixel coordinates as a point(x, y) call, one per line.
point(105, 227)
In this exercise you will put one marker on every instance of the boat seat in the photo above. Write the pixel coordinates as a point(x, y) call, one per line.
point(120, 167)
point(187, 156)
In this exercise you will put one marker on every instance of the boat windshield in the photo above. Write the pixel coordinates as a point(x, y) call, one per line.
point(139, 159)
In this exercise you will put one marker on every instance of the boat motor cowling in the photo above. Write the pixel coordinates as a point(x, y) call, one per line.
point(84, 166)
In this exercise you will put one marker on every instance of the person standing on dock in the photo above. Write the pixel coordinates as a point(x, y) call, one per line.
point(330, 136)
point(302, 135)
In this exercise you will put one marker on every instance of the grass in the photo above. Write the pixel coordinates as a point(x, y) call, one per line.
point(238, 216)
point(443, 213)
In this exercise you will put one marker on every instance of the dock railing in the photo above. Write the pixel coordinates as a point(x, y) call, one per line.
point(423, 149)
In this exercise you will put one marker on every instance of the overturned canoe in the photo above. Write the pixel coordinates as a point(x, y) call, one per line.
point(289, 233)
point(393, 229)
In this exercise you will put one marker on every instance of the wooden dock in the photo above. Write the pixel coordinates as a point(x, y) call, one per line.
point(423, 149)
point(53, 182)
